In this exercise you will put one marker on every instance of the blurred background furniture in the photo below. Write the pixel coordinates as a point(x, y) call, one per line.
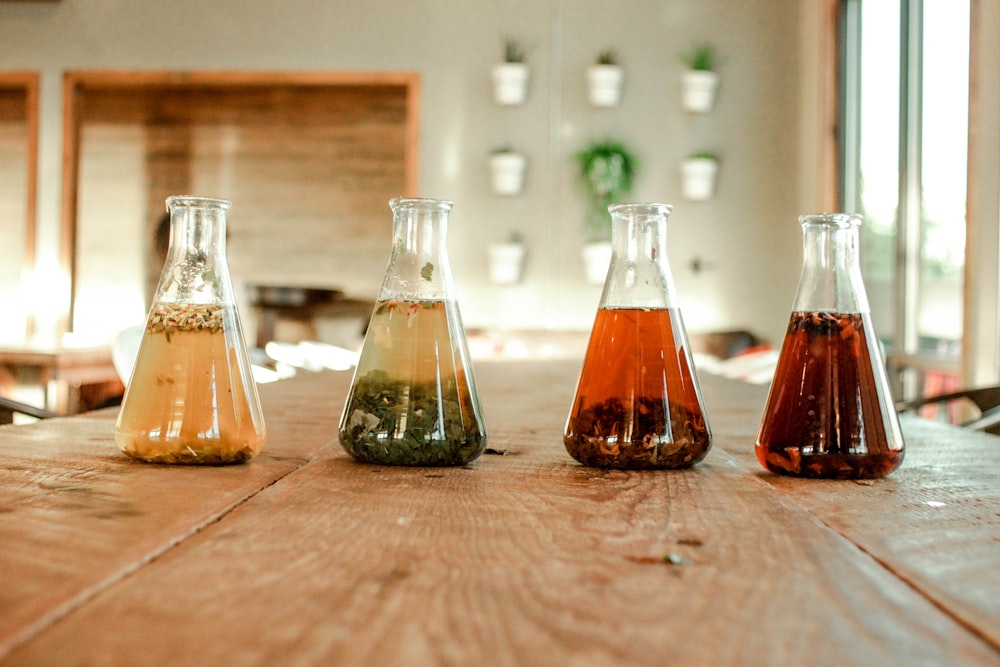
point(976, 408)
point(9, 407)
point(71, 379)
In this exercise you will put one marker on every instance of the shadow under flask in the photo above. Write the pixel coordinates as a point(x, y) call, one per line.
point(413, 400)
point(192, 398)
point(638, 403)
point(829, 412)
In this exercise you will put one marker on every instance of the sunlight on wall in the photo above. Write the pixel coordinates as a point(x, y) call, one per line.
point(48, 286)
point(107, 308)
point(14, 322)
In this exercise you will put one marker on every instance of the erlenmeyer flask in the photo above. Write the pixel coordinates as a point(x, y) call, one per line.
point(829, 412)
point(192, 397)
point(413, 400)
point(638, 403)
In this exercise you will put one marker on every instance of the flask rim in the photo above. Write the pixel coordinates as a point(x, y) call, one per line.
point(423, 203)
point(195, 201)
point(641, 208)
point(841, 220)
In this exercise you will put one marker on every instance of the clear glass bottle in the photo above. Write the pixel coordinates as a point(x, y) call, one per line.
point(829, 412)
point(413, 400)
point(192, 398)
point(638, 403)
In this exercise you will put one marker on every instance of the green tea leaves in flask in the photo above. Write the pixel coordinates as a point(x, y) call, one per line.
point(413, 400)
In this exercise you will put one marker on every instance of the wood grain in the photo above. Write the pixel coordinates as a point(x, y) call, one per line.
point(521, 559)
point(76, 515)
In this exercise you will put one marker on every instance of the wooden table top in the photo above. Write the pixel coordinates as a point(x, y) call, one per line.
point(304, 557)
point(54, 355)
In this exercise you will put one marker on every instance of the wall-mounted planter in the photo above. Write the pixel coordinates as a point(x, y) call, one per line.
point(510, 83)
point(698, 176)
point(507, 262)
point(604, 84)
point(507, 172)
point(698, 90)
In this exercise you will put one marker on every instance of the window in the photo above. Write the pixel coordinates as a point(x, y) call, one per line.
point(905, 84)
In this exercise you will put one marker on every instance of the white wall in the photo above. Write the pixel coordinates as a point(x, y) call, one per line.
point(747, 237)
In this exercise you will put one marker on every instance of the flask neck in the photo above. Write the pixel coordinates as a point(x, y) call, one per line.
point(639, 275)
point(198, 225)
point(418, 266)
point(195, 269)
point(831, 267)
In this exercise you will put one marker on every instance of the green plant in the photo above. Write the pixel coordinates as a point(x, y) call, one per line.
point(606, 171)
point(607, 57)
point(701, 58)
point(513, 52)
point(501, 150)
point(515, 237)
point(704, 155)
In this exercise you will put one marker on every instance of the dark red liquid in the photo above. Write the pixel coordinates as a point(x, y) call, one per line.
point(829, 413)
point(637, 403)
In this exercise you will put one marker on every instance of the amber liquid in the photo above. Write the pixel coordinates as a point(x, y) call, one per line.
point(413, 400)
point(829, 413)
point(637, 402)
point(187, 402)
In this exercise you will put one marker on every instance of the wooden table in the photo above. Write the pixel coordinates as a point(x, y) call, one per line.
point(303, 557)
point(59, 370)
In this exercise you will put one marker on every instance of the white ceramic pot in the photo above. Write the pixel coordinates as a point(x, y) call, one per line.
point(698, 90)
point(604, 85)
point(507, 172)
point(510, 83)
point(506, 262)
point(698, 178)
point(596, 261)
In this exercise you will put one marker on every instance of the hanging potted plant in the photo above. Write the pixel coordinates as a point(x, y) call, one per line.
point(606, 172)
point(506, 263)
point(698, 172)
point(700, 81)
point(604, 80)
point(507, 169)
point(510, 77)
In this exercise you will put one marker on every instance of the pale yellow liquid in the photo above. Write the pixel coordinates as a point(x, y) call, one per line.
point(188, 402)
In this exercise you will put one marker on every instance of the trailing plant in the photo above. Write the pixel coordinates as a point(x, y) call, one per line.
point(606, 172)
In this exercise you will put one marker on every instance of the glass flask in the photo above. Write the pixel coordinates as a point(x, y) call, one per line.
point(829, 412)
point(638, 403)
point(413, 400)
point(192, 398)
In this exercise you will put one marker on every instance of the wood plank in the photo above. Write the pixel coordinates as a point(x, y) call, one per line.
point(935, 522)
point(520, 559)
point(76, 515)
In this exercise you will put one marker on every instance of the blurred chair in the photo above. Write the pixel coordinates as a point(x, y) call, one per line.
point(9, 407)
point(950, 406)
point(724, 344)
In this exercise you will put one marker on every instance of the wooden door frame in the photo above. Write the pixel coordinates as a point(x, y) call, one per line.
point(29, 83)
point(77, 82)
